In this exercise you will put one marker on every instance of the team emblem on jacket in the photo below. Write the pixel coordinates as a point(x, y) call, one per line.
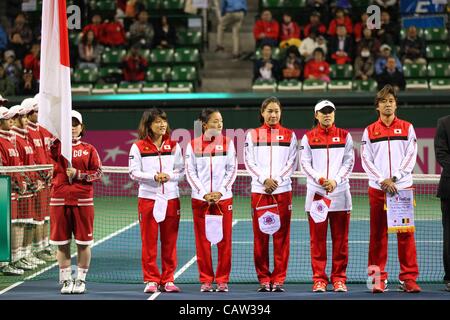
point(219, 148)
point(336, 139)
point(166, 147)
point(85, 152)
point(279, 137)
point(398, 131)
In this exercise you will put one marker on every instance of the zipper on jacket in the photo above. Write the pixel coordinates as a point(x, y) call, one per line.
point(328, 153)
point(270, 173)
point(389, 152)
point(210, 172)
point(160, 163)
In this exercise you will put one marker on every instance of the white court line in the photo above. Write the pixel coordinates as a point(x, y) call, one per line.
point(73, 255)
point(184, 268)
point(350, 242)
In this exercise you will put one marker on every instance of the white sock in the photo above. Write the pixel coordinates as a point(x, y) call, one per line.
point(81, 275)
point(65, 274)
point(27, 251)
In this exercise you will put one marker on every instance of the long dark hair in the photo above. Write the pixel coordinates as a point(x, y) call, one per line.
point(264, 105)
point(146, 121)
point(205, 115)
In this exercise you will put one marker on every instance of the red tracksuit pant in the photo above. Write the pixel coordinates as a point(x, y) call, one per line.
point(149, 236)
point(281, 239)
point(203, 246)
point(339, 224)
point(378, 246)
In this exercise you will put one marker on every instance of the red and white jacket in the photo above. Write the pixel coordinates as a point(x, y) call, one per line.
point(327, 153)
point(389, 151)
point(37, 141)
point(271, 152)
point(9, 156)
point(146, 160)
point(86, 161)
point(211, 166)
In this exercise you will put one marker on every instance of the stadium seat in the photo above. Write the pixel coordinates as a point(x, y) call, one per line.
point(340, 85)
point(262, 85)
point(113, 56)
point(174, 5)
point(188, 37)
point(180, 87)
point(403, 33)
point(110, 74)
point(82, 89)
point(438, 51)
point(158, 74)
point(152, 4)
point(314, 86)
point(85, 75)
point(145, 53)
point(435, 34)
point(364, 85)
point(103, 5)
point(105, 88)
point(341, 71)
point(440, 84)
point(183, 73)
point(162, 56)
point(276, 53)
point(273, 3)
point(416, 84)
point(129, 87)
point(187, 55)
point(438, 70)
point(154, 87)
point(74, 38)
point(289, 85)
point(295, 3)
point(414, 70)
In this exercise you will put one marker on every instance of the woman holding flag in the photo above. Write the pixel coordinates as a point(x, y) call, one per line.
point(156, 163)
point(211, 169)
point(327, 158)
point(270, 156)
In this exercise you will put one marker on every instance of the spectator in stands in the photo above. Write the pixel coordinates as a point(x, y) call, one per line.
point(391, 75)
point(17, 45)
point(341, 47)
point(340, 19)
point(266, 30)
point(390, 6)
point(232, 14)
point(165, 34)
point(28, 86)
point(388, 33)
point(368, 40)
point(89, 51)
point(385, 53)
point(289, 32)
point(266, 67)
point(412, 48)
point(359, 27)
point(7, 86)
point(318, 68)
point(134, 65)
point(3, 40)
point(33, 60)
point(96, 26)
point(134, 8)
point(21, 27)
point(314, 25)
point(292, 64)
point(321, 7)
point(364, 65)
point(12, 67)
point(141, 30)
point(113, 32)
point(309, 44)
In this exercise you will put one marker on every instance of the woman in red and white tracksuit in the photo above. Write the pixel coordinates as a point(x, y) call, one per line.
point(327, 158)
point(270, 156)
point(72, 205)
point(388, 155)
point(211, 169)
point(156, 162)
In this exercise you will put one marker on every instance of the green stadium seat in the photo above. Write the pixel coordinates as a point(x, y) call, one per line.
point(436, 34)
point(189, 38)
point(180, 87)
point(341, 71)
point(416, 84)
point(145, 53)
point(295, 3)
point(103, 5)
point(289, 85)
point(415, 70)
point(74, 38)
point(263, 85)
point(162, 56)
point(110, 74)
point(184, 73)
point(82, 89)
point(113, 56)
point(340, 85)
point(187, 55)
point(420, 33)
point(85, 75)
point(438, 69)
point(129, 88)
point(158, 74)
point(314, 86)
point(438, 51)
point(105, 88)
point(276, 53)
point(364, 85)
point(174, 5)
point(154, 87)
point(152, 4)
point(440, 84)
point(273, 3)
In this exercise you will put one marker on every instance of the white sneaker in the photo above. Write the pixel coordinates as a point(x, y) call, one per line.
point(25, 265)
point(67, 286)
point(79, 286)
point(30, 262)
point(11, 270)
point(33, 259)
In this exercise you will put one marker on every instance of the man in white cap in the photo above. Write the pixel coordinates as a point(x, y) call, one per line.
point(385, 53)
point(10, 157)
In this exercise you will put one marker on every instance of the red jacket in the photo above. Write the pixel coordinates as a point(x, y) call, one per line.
point(289, 31)
point(307, 29)
point(97, 28)
point(112, 34)
point(33, 63)
point(316, 68)
point(37, 141)
point(9, 156)
point(334, 23)
point(270, 29)
point(134, 69)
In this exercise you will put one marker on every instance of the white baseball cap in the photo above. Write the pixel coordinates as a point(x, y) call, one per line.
point(30, 104)
point(322, 104)
point(17, 110)
point(5, 114)
point(77, 115)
